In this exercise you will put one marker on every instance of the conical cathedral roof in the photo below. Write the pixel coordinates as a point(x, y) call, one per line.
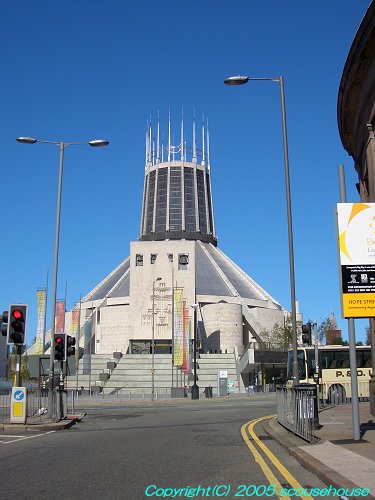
point(215, 275)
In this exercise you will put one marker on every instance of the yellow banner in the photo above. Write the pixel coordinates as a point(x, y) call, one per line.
point(178, 327)
point(358, 305)
point(41, 296)
point(75, 321)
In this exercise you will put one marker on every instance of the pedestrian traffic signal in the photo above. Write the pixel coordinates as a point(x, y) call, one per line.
point(60, 347)
point(306, 333)
point(70, 343)
point(16, 331)
point(4, 323)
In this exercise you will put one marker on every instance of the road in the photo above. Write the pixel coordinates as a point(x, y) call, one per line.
point(153, 450)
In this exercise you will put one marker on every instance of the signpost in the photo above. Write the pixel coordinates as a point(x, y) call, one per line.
point(222, 383)
point(356, 239)
point(18, 405)
point(356, 232)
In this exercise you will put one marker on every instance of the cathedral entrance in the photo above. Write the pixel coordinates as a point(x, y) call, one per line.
point(145, 346)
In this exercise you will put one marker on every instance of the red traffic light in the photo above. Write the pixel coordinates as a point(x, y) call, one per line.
point(17, 314)
point(16, 330)
point(59, 346)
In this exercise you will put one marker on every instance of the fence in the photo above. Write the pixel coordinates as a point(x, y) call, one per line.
point(297, 410)
point(120, 394)
point(37, 405)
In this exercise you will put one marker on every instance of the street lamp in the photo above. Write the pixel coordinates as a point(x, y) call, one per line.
point(241, 80)
point(62, 145)
point(153, 342)
point(195, 387)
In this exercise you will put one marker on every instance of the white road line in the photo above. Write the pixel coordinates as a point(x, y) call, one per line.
point(28, 437)
point(9, 436)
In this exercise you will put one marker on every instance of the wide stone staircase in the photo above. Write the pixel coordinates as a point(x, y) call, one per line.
point(131, 374)
point(94, 376)
point(208, 367)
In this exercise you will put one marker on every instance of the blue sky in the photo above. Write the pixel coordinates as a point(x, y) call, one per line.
point(81, 70)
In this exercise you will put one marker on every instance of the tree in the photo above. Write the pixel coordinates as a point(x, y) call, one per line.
point(280, 337)
point(326, 324)
point(339, 341)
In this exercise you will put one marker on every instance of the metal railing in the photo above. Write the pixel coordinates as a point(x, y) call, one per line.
point(37, 405)
point(119, 393)
point(297, 410)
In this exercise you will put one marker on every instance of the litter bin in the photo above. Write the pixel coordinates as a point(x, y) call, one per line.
point(208, 392)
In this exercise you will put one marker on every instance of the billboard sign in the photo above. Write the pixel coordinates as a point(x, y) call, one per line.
point(356, 237)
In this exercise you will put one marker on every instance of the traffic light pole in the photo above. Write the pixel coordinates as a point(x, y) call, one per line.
point(18, 363)
point(54, 288)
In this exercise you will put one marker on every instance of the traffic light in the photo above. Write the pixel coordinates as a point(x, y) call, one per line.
point(4, 323)
point(306, 333)
point(60, 347)
point(70, 343)
point(16, 331)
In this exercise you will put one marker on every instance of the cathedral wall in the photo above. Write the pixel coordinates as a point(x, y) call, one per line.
point(151, 260)
point(112, 333)
point(267, 318)
point(223, 325)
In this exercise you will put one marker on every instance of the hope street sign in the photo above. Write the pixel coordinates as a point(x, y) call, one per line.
point(356, 240)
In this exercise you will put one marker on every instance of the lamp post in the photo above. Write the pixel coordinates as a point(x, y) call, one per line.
point(241, 80)
point(62, 145)
point(195, 387)
point(153, 342)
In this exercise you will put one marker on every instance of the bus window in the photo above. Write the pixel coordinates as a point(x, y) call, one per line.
point(289, 374)
point(342, 359)
point(310, 363)
point(327, 360)
point(366, 359)
point(359, 359)
point(301, 365)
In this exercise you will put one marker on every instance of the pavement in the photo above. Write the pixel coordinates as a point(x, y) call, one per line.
point(335, 458)
point(42, 424)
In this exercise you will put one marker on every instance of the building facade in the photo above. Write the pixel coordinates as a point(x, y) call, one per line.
point(356, 122)
point(176, 256)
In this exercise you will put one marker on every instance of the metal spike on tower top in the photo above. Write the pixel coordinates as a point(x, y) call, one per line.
point(177, 200)
point(194, 142)
point(203, 143)
point(208, 146)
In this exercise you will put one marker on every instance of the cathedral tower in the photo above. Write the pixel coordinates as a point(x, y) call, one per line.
point(177, 197)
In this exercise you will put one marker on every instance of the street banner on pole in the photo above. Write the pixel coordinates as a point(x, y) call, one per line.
point(60, 316)
point(75, 331)
point(356, 238)
point(178, 327)
point(86, 361)
point(186, 340)
point(41, 297)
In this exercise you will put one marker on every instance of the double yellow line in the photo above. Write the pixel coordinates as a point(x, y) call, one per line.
point(249, 426)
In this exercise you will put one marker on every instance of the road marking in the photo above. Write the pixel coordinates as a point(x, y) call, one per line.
point(9, 436)
point(27, 437)
point(258, 458)
point(260, 461)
